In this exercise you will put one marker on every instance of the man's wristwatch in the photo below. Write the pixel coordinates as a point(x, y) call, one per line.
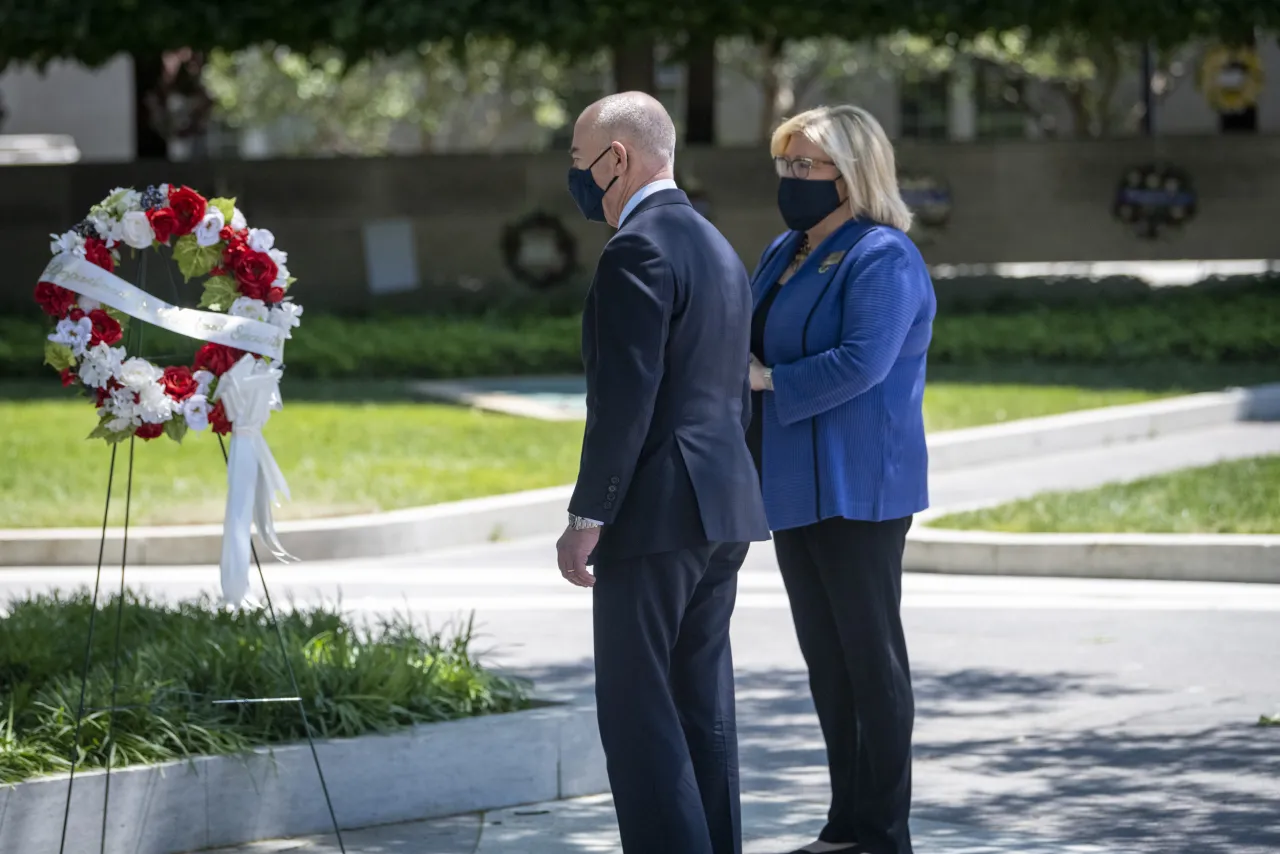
point(577, 523)
point(768, 379)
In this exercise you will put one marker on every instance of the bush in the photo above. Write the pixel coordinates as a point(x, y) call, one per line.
point(1209, 325)
point(176, 659)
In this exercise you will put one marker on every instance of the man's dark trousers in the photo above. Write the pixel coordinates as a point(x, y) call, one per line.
point(664, 691)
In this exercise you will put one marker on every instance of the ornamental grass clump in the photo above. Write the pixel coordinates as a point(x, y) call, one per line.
point(176, 660)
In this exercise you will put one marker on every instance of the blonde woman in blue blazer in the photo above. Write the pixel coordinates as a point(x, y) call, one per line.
point(843, 317)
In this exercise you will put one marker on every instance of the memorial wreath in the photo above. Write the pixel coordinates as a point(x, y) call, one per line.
point(244, 317)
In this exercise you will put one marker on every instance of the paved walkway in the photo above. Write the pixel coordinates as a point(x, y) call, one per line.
point(587, 825)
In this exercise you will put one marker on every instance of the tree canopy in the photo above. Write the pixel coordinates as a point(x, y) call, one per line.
point(94, 32)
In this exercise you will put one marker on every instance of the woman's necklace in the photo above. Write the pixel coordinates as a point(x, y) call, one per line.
point(802, 253)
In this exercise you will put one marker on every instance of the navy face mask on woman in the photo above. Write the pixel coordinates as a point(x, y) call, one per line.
point(586, 192)
point(804, 203)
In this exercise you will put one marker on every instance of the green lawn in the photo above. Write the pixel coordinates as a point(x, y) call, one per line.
point(1238, 497)
point(338, 458)
point(351, 447)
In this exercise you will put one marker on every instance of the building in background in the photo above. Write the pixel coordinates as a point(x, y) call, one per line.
point(963, 99)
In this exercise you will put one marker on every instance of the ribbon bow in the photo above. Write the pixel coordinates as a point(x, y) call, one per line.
point(250, 392)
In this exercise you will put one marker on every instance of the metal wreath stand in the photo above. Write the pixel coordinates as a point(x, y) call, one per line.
point(135, 336)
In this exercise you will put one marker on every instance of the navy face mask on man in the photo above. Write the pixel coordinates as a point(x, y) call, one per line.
point(586, 192)
point(804, 203)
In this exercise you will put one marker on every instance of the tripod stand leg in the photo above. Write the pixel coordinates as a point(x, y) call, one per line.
point(115, 660)
point(293, 679)
point(88, 652)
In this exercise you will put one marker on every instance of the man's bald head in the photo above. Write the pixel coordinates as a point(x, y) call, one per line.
point(636, 120)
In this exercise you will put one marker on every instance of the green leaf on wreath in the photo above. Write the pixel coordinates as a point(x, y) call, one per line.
point(117, 438)
point(101, 431)
point(58, 356)
point(193, 259)
point(219, 293)
point(175, 428)
point(227, 207)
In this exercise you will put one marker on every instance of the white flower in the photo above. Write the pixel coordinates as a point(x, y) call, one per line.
point(74, 334)
point(101, 363)
point(88, 303)
point(203, 379)
point(136, 231)
point(111, 230)
point(286, 316)
point(282, 272)
point(122, 200)
point(69, 242)
point(122, 403)
point(261, 240)
point(196, 410)
point(238, 222)
point(120, 424)
point(137, 374)
point(209, 231)
point(154, 406)
point(255, 309)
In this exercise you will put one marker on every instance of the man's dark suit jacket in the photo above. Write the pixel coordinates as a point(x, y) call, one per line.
point(666, 342)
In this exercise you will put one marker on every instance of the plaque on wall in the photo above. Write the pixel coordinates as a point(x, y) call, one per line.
point(1154, 198)
point(539, 251)
point(929, 198)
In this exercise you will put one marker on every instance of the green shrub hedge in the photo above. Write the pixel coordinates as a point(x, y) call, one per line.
point(175, 660)
point(1206, 325)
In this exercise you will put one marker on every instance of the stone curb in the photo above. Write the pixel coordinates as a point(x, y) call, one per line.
point(1163, 557)
point(541, 511)
point(429, 771)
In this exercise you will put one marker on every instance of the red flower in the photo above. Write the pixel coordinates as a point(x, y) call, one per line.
point(255, 272)
point(275, 295)
point(75, 314)
point(55, 301)
point(218, 419)
point(178, 382)
point(217, 359)
point(100, 397)
point(189, 207)
point(96, 252)
point(229, 234)
point(68, 377)
point(149, 431)
point(164, 222)
point(106, 329)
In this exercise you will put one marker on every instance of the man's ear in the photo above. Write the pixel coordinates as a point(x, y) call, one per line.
point(623, 157)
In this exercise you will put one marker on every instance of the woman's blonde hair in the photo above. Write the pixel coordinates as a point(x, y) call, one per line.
point(862, 153)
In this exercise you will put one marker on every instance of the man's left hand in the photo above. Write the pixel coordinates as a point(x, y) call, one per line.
point(572, 551)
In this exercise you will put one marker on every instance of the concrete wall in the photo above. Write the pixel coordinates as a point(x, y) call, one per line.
point(95, 107)
point(1015, 201)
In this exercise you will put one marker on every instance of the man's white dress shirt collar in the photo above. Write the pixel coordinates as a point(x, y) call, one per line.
point(643, 193)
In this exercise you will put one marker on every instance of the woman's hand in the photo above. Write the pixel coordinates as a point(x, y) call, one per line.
point(759, 379)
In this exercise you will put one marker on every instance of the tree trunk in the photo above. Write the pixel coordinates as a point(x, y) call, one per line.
point(633, 67)
point(770, 86)
point(149, 142)
point(700, 94)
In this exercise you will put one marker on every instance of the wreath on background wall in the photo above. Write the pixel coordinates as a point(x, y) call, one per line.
point(1231, 78)
point(539, 251)
point(245, 301)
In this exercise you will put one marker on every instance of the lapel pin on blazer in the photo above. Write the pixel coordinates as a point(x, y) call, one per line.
point(830, 261)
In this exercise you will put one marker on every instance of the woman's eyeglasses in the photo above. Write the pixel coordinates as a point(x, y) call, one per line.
point(797, 167)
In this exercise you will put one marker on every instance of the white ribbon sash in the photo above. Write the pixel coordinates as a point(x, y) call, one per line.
point(76, 274)
point(249, 392)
